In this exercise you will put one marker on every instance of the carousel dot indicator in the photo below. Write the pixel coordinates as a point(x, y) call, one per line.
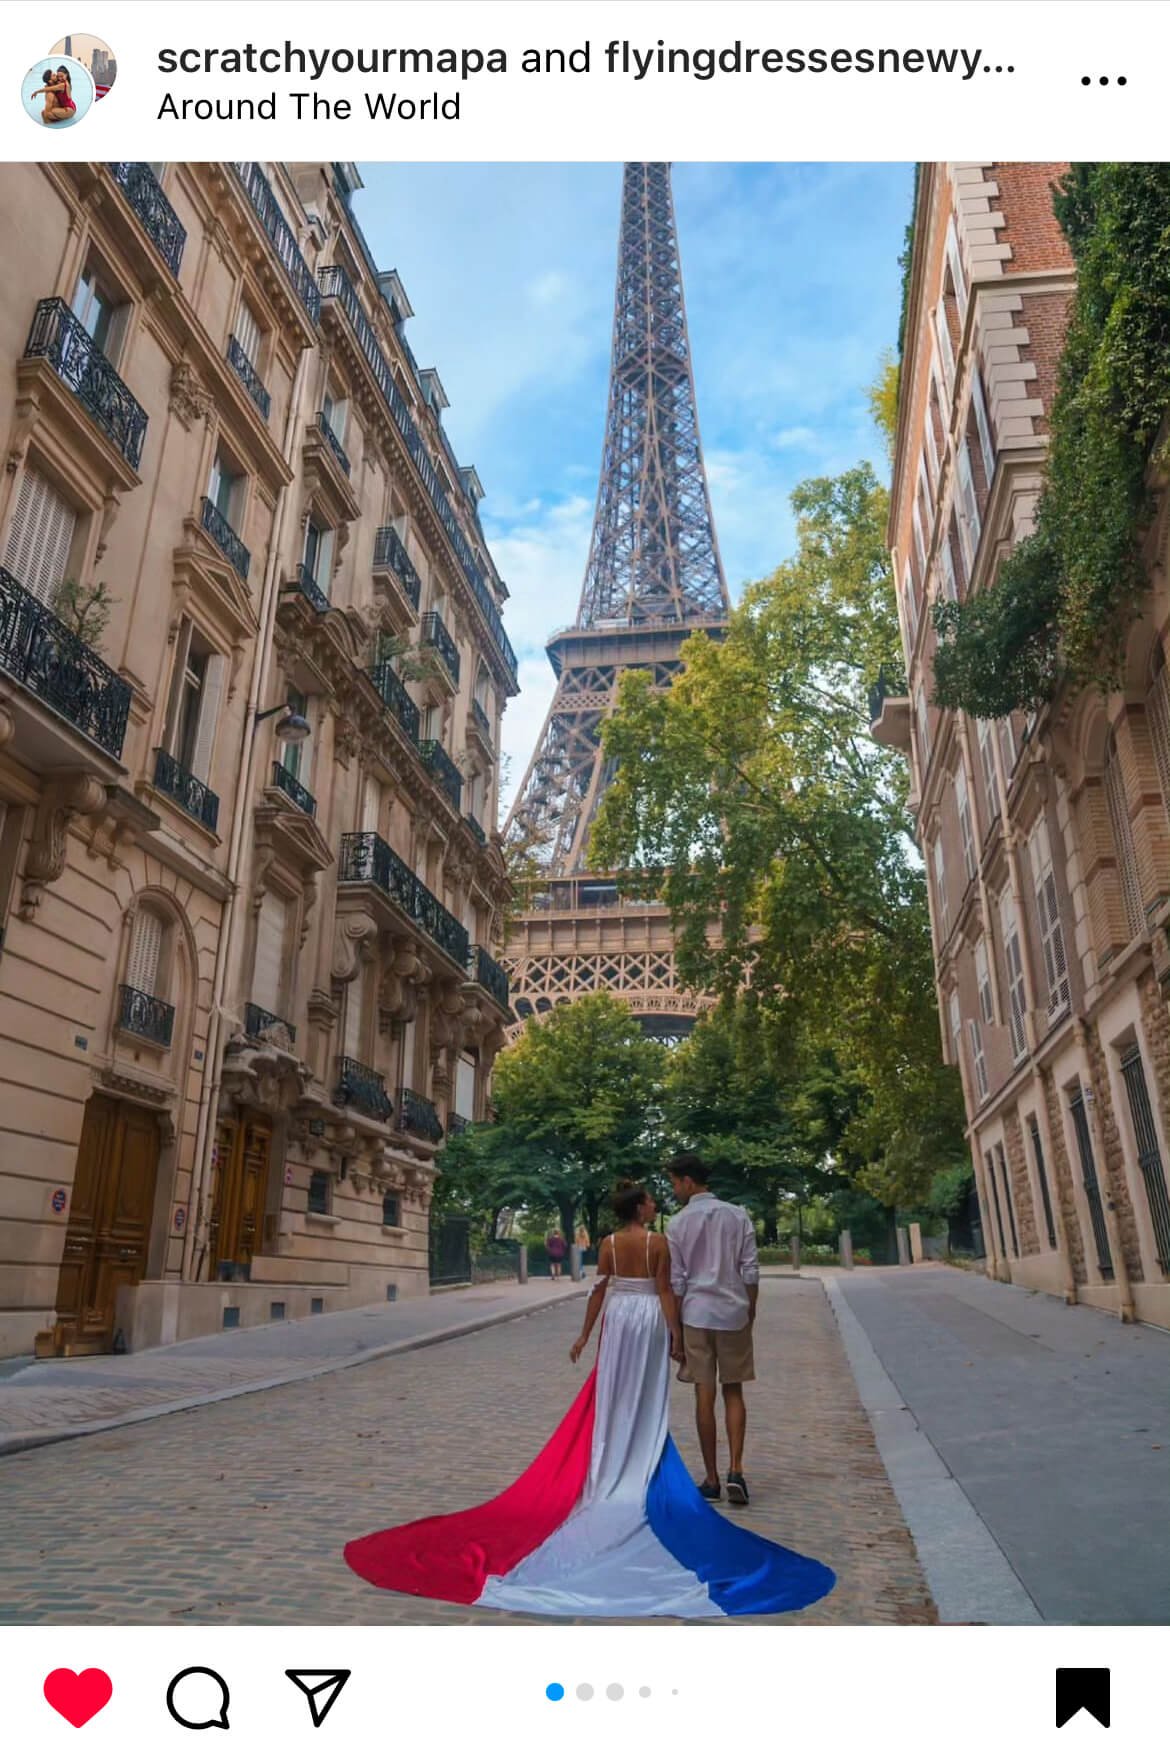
point(643, 1692)
point(556, 1691)
point(584, 1691)
point(615, 1691)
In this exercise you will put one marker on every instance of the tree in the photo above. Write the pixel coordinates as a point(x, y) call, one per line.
point(578, 1105)
point(751, 797)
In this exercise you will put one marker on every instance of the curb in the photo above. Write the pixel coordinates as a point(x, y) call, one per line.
point(24, 1441)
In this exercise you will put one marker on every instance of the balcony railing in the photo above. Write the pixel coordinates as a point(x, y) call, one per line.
point(40, 652)
point(446, 773)
point(142, 1014)
point(56, 335)
point(225, 538)
point(456, 1123)
point(333, 442)
point(488, 973)
point(335, 283)
point(159, 220)
point(476, 829)
point(292, 787)
point(189, 793)
point(307, 585)
point(258, 1023)
point(876, 696)
point(394, 695)
point(417, 1115)
point(366, 858)
point(435, 634)
point(482, 723)
point(248, 375)
point(390, 551)
point(360, 1087)
point(275, 227)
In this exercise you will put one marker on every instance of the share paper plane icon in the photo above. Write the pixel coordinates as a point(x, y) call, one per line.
point(321, 1686)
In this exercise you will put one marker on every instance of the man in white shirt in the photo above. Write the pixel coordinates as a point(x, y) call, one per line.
point(715, 1274)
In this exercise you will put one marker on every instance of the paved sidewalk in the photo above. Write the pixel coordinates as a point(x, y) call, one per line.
point(66, 1397)
point(1052, 1422)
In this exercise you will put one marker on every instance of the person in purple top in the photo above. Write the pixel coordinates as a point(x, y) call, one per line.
point(556, 1248)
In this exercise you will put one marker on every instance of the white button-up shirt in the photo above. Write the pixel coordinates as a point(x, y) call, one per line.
point(713, 1259)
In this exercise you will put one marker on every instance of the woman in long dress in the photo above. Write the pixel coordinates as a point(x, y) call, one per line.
point(606, 1523)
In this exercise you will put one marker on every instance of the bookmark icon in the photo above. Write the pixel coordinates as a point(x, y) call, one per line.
point(321, 1686)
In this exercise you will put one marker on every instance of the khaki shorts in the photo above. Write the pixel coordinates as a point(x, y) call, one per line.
point(710, 1351)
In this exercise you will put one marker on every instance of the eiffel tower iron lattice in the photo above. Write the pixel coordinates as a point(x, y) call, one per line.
point(653, 576)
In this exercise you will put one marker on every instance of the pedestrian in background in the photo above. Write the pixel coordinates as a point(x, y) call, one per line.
point(555, 1248)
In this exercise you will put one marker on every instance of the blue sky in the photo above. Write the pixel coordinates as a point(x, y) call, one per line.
point(792, 288)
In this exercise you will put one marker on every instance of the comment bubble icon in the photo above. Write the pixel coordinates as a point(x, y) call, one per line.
point(198, 1698)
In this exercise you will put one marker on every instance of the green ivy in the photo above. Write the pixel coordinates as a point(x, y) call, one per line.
point(1064, 598)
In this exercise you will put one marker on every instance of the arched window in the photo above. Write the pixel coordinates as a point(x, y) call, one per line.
point(483, 689)
point(1131, 892)
point(144, 998)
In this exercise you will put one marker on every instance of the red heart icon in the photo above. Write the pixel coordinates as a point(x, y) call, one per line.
point(77, 1697)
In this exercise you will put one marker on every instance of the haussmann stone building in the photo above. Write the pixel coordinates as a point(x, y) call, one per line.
point(252, 668)
point(1046, 838)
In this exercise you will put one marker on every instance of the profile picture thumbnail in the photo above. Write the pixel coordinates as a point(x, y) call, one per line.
point(95, 56)
point(57, 91)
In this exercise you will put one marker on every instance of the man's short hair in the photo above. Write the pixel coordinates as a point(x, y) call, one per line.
point(689, 1166)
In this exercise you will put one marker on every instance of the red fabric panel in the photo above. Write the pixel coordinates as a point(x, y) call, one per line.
point(450, 1558)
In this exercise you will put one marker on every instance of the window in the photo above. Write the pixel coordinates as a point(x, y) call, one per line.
point(1042, 1178)
point(1007, 745)
point(371, 806)
point(40, 536)
point(946, 351)
point(268, 967)
point(432, 724)
point(1127, 870)
point(963, 804)
point(956, 1027)
point(919, 544)
point(101, 311)
point(1149, 1151)
point(391, 1211)
point(320, 1193)
point(225, 489)
point(319, 555)
point(955, 265)
point(248, 333)
point(969, 522)
point(1084, 1138)
point(978, 1059)
point(355, 994)
point(1048, 909)
point(1158, 711)
point(910, 596)
point(946, 571)
point(196, 692)
point(923, 727)
point(297, 758)
point(983, 425)
point(146, 942)
point(465, 1086)
point(989, 1166)
point(336, 411)
point(987, 762)
point(940, 889)
point(1014, 960)
point(1007, 1198)
point(983, 981)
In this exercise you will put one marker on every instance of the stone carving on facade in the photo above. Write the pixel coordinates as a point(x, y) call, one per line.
point(354, 938)
point(63, 799)
point(189, 401)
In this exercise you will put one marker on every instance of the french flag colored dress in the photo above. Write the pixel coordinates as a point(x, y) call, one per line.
point(606, 1523)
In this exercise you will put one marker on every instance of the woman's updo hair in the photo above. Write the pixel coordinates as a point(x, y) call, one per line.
point(626, 1199)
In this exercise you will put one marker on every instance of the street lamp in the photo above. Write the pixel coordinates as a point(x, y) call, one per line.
point(293, 727)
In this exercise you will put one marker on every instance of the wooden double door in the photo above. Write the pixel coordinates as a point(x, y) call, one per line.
point(239, 1195)
point(109, 1222)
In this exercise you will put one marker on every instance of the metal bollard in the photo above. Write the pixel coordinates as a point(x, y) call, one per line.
point(795, 1245)
point(522, 1264)
point(845, 1249)
point(576, 1270)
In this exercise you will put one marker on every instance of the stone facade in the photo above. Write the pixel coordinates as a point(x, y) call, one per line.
point(1046, 838)
point(246, 979)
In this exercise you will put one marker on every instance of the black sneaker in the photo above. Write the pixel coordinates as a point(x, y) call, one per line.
point(737, 1491)
point(710, 1492)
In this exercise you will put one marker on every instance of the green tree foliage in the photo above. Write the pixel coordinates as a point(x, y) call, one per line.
point(578, 1106)
point(752, 798)
point(1064, 598)
point(883, 400)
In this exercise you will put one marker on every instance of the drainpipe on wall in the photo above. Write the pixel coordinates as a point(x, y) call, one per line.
point(205, 1130)
point(1104, 1178)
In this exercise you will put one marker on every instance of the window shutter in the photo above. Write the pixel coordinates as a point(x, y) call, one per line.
point(987, 760)
point(946, 567)
point(354, 996)
point(247, 332)
point(1158, 707)
point(946, 352)
point(208, 715)
point(970, 517)
point(1051, 930)
point(1007, 744)
point(371, 807)
point(146, 936)
point(271, 930)
point(1013, 956)
point(984, 427)
point(963, 801)
point(940, 887)
point(956, 1027)
point(465, 1087)
point(975, 1036)
point(983, 977)
point(408, 1055)
point(910, 596)
point(1131, 893)
point(40, 537)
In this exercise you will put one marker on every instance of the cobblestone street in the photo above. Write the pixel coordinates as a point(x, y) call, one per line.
point(236, 1513)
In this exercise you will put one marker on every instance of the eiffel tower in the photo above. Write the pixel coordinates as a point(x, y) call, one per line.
point(653, 576)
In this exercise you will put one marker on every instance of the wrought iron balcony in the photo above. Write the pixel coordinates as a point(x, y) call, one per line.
point(258, 1023)
point(482, 723)
point(275, 227)
point(366, 858)
point(333, 442)
point(488, 973)
point(248, 375)
point(446, 773)
point(876, 695)
point(40, 652)
point(140, 1013)
point(435, 634)
point(335, 283)
point(360, 1087)
point(390, 553)
point(225, 538)
point(189, 793)
point(57, 336)
point(307, 585)
point(292, 787)
point(476, 829)
point(394, 695)
point(456, 1124)
point(417, 1115)
point(159, 220)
